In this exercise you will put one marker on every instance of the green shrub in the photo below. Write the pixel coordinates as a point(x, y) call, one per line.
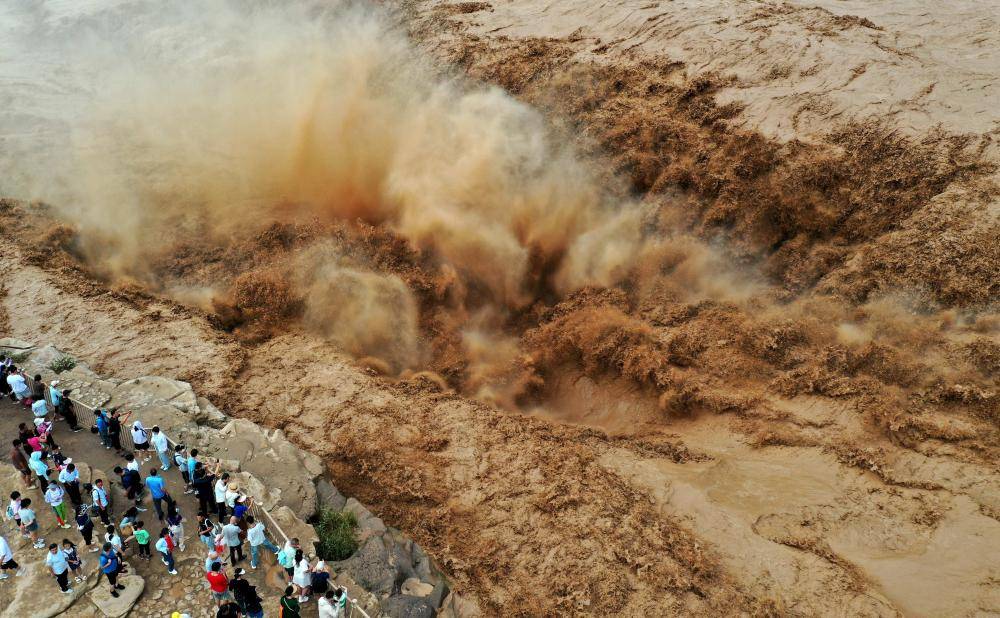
point(19, 357)
point(336, 535)
point(61, 364)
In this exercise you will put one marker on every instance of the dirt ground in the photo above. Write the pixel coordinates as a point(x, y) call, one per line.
point(788, 407)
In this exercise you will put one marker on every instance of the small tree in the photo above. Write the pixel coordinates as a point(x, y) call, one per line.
point(336, 535)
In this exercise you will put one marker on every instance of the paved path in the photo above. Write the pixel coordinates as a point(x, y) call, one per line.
point(164, 593)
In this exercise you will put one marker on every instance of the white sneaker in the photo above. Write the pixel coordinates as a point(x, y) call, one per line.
point(19, 573)
point(164, 468)
point(3, 576)
point(68, 591)
point(65, 526)
point(172, 572)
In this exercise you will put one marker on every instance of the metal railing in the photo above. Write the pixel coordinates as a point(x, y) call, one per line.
point(86, 417)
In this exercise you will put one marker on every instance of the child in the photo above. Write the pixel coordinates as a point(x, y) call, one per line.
point(182, 464)
point(29, 524)
point(73, 558)
point(13, 513)
point(141, 536)
point(176, 525)
point(54, 497)
point(165, 546)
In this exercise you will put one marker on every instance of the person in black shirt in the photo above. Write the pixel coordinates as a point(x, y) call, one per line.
point(131, 483)
point(115, 431)
point(203, 485)
point(245, 594)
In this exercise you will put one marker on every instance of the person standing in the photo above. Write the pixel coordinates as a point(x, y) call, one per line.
point(70, 478)
point(131, 483)
point(37, 388)
point(206, 531)
point(74, 560)
point(110, 564)
point(164, 545)
point(158, 491)
point(103, 424)
point(39, 408)
point(301, 577)
point(231, 535)
point(59, 567)
point(175, 521)
point(140, 440)
point(7, 562)
point(220, 488)
point(65, 409)
point(29, 524)
point(257, 537)
point(18, 385)
point(288, 604)
point(21, 464)
point(180, 460)
point(142, 538)
point(218, 583)
point(286, 558)
point(100, 498)
point(333, 604)
point(246, 595)
point(115, 431)
point(55, 396)
point(86, 526)
point(41, 470)
point(203, 483)
point(162, 447)
point(13, 512)
point(54, 497)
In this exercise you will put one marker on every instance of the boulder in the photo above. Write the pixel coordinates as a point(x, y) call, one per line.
point(116, 607)
point(269, 455)
point(455, 606)
point(405, 606)
point(210, 415)
point(44, 356)
point(372, 568)
point(293, 527)
point(368, 524)
point(10, 345)
point(416, 588)
point(154, 389)
point(438, 594)
point(328, 496)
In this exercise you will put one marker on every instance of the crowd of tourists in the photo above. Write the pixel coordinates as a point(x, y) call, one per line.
point(224, 521)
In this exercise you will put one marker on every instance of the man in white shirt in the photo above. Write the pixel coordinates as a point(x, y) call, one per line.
point(7, 560)
point(257, 539)
point(221, 485)
point(59, 567)
point(162, 446)
point(231, 535)
point(18, 385)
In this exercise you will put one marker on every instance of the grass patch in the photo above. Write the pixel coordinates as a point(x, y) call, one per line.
point(336, 535)
point(61, 364)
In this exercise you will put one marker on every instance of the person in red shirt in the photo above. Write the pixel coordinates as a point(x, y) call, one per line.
point(219, 584)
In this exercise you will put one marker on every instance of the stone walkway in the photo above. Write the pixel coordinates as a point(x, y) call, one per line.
point(186, 592)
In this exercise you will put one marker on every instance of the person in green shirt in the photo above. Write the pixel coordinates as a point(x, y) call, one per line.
point(141, 536)
point(288, 604)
